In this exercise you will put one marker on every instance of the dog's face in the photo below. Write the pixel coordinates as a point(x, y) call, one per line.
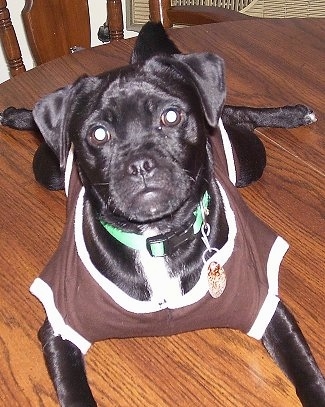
point(139, 133)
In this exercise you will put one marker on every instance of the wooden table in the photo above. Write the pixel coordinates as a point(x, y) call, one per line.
point(268, 63)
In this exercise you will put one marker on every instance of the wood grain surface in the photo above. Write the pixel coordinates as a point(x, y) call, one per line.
point(268, 62)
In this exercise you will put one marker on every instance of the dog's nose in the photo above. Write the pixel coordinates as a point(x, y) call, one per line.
point(141, 166)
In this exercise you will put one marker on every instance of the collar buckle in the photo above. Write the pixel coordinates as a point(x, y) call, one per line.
point(156, 245)
point(160, 245)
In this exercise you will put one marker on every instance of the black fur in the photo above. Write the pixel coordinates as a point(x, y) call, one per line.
point(136, 152)
point(286, 344)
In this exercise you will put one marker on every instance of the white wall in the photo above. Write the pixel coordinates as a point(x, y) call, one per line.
point(97, 9)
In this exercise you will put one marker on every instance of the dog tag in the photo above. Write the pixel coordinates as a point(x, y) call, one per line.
point(216, 279)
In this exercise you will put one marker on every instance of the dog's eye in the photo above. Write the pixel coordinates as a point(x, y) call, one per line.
point(171, 117)
point(99, 135)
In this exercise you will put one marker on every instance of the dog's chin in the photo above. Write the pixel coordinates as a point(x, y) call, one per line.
point(151, 205)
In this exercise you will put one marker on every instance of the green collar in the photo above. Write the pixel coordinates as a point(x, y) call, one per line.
point(163, 244)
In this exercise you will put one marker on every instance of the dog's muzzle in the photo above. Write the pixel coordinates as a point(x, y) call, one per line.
point(143, 186)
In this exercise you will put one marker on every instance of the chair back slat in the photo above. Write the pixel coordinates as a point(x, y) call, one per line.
point(9, 41)
point(54, 27)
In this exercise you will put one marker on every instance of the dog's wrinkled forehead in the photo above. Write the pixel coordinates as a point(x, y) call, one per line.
point(134, 92)
point(196, 80)
point(147, 84)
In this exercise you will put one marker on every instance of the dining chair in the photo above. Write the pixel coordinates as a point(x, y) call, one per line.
point(193, 12)
point(54, 28)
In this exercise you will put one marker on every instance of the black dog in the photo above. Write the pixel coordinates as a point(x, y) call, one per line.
point(150, 171)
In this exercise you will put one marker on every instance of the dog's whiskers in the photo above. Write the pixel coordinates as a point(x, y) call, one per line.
point(196, 178)
point(100, 183)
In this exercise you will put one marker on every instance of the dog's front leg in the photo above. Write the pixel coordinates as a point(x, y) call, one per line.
point(66, 368)
point(45, 164)
point(285, 342)
point(47, 169)
point(252, 117)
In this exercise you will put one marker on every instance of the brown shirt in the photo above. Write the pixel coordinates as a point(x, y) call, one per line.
point(84, 307)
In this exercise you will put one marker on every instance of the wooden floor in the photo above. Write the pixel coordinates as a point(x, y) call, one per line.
point(206, 368)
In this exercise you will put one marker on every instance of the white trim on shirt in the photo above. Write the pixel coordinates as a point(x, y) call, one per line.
point(271, 301)
point(68, 171)
point(44, 293)
point(228, 153)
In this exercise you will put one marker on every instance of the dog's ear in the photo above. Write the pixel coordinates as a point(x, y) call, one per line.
point(50, 115)
point(152, 40)
point(205, 71)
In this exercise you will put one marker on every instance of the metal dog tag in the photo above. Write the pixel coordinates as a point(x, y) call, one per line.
point(217, 280)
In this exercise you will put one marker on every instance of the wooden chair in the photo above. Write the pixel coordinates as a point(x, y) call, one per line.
point(171, 12)
point(53, 28)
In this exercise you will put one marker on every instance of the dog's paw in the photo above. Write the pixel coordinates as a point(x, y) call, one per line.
point(306, 115)
point(6, 116)
point(19, 119)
